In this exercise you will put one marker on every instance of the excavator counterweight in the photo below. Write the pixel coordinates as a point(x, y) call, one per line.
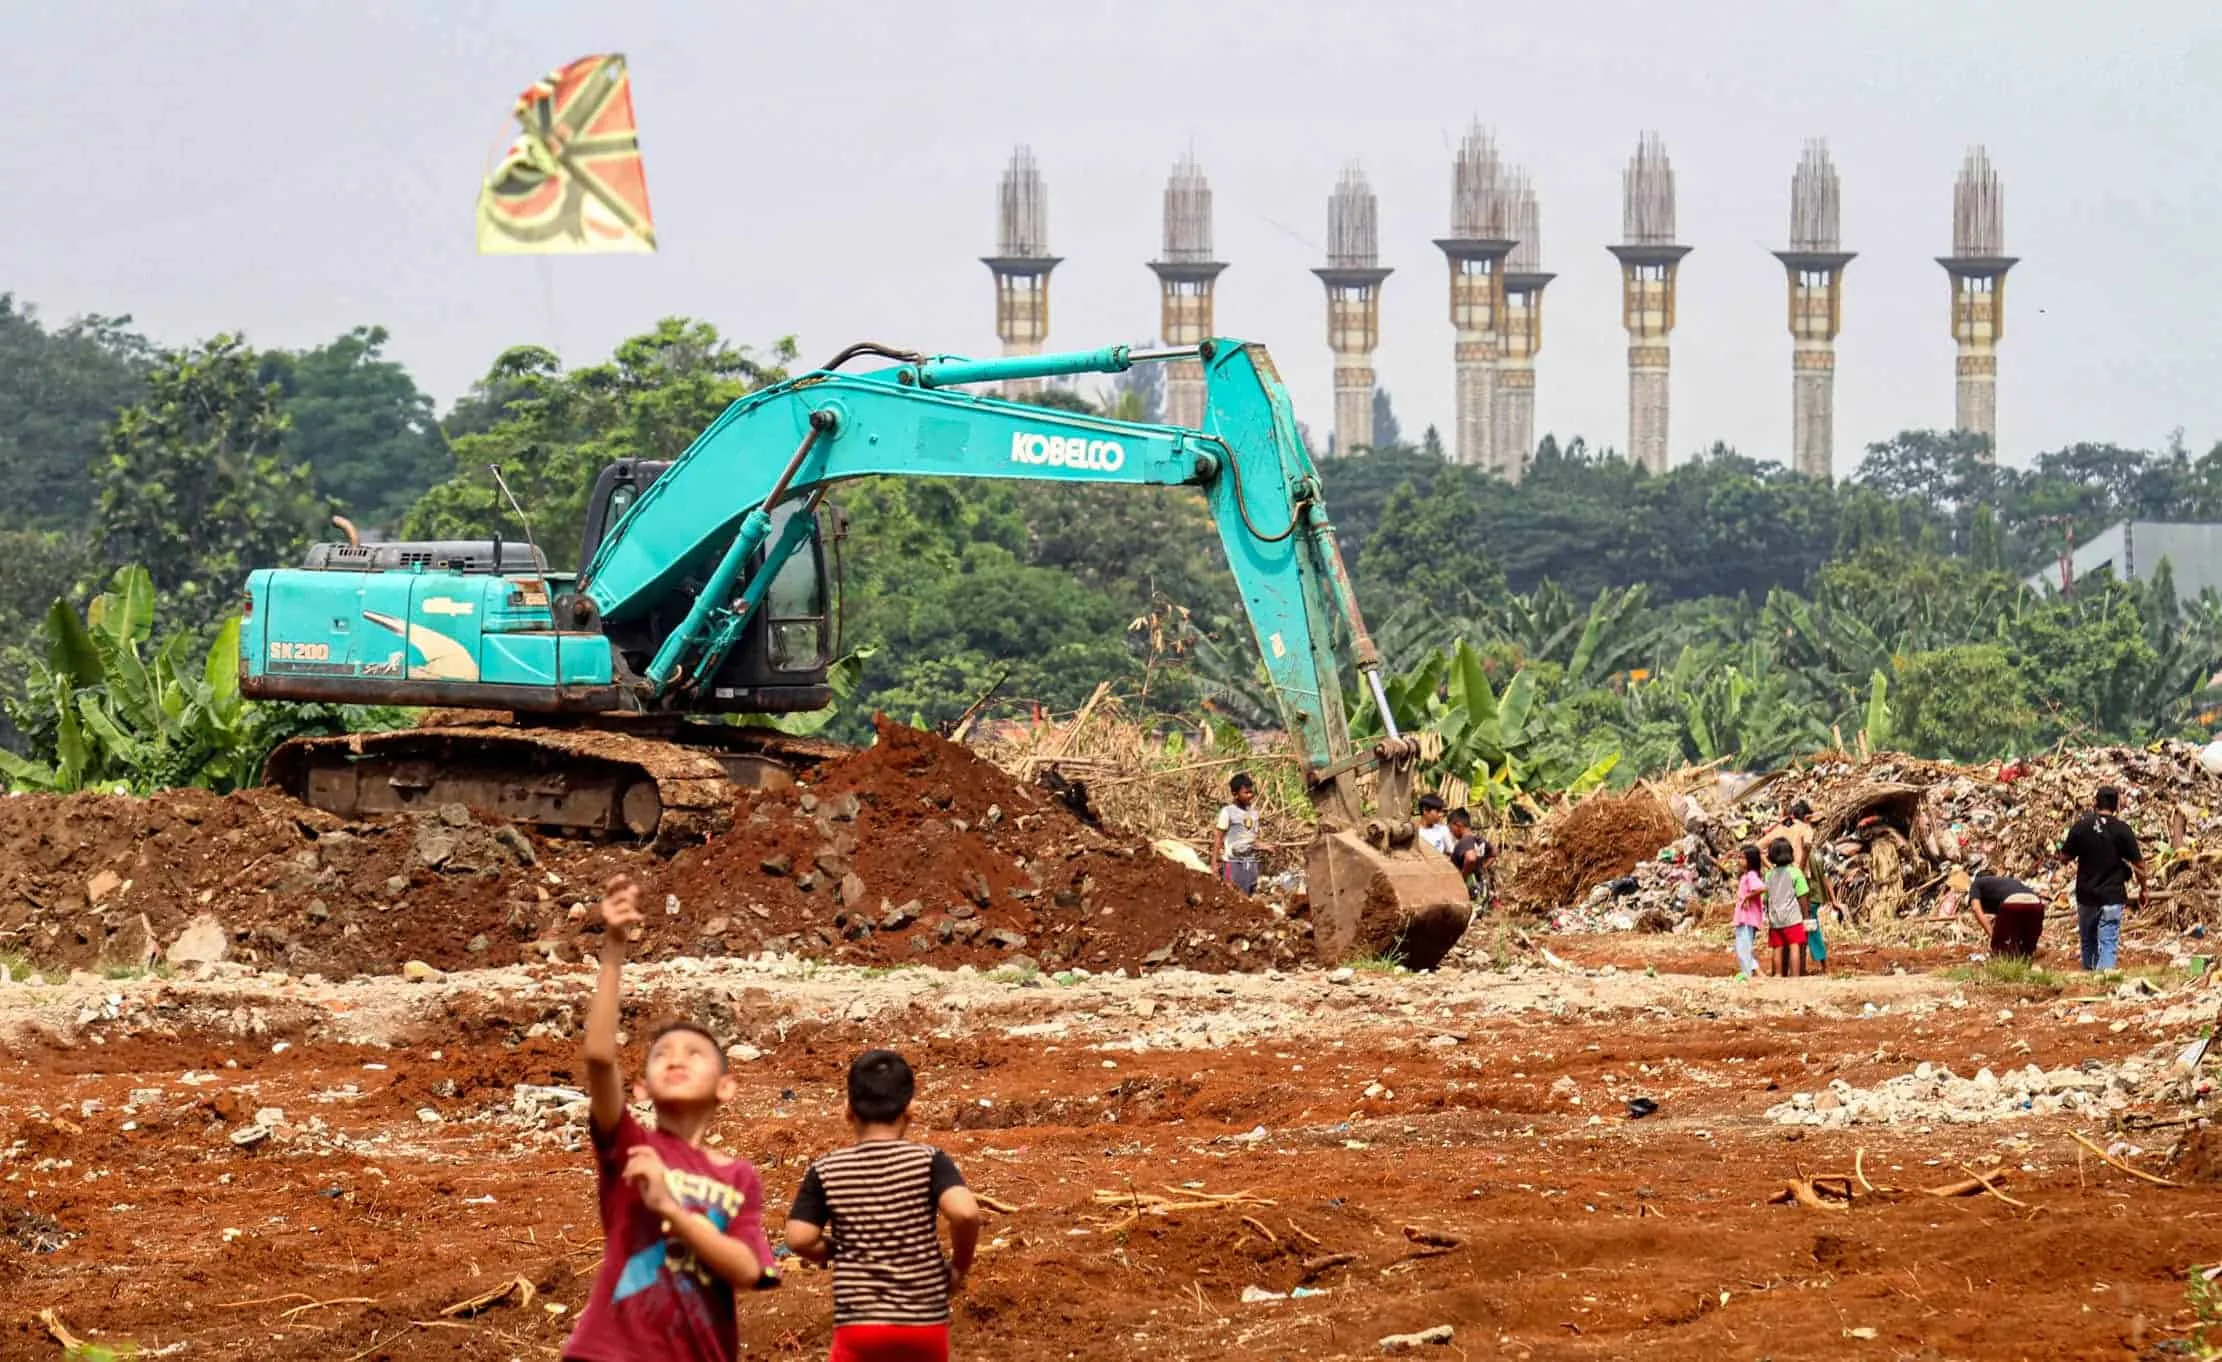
point(703, 591)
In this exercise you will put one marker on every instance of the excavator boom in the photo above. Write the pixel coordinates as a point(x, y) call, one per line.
point(711, 511)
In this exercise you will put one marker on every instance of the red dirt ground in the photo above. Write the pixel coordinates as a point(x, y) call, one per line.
point(920, 823)
point(1574, 1239)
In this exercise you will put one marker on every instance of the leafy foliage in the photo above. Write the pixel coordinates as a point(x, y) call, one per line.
point(100, 714)
point(1725, 610)
point(550, 431)
point(357, 421)
point(59, 390)
point(192, 487)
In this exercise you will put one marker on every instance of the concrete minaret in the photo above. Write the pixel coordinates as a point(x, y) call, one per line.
point(1353, 278)
point(1476, 248)
point(1021, 264)
point(1523, 331)
point(1185, 277)
point(1648, 262)
point(1978, 266)
point(1816, 266)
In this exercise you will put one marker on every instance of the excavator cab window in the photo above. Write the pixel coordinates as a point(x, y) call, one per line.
point(795, 614)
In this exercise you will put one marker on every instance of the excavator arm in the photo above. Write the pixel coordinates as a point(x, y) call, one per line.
point(710, 512)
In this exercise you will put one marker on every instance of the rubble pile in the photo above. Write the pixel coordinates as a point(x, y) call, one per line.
point(1934, 1095)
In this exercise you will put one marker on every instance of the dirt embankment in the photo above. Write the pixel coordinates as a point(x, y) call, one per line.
point(913, 851)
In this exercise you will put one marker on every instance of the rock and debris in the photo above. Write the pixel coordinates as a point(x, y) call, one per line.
point(1934, 1095)
point(911, 851)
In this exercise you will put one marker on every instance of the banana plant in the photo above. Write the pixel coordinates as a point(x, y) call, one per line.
point(843, 677)
point(103, 716)
point(1494, 743)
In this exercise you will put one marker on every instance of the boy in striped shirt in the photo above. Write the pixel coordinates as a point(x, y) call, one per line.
point(870, 1210)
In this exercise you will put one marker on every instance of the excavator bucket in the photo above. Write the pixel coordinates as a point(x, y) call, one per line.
point(1372, 897)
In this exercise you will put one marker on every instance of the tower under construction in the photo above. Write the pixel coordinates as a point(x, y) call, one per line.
point(1186, 275)
point(1815, 262)
point(1522, 330)
point(1649, 259)
point(1021, 263)
point(1480, 240)
point(1353, 277)
point(1977, 267)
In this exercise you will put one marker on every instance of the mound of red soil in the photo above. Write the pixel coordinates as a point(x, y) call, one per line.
point(913, 850)
point(916, 850)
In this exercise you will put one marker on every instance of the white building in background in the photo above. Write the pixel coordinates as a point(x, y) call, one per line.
point(2135, 549)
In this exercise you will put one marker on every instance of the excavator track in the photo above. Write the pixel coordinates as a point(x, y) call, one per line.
point(674, 785)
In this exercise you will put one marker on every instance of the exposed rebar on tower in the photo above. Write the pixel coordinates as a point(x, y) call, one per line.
point(1977, 268)
point(1815, 216)
point(1353, 277)
point(1022, 263)
point(1649, 260)
point(1185, 278)
point(1647, 195)
point(1353, 222)
point(1476, 250)
point(1522, 328)
point(1978, 208)
point(1022, 218)
point(1815, 263)
point(1526, 224)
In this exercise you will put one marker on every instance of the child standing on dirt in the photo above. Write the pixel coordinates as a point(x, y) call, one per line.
point(682, 1229)
point(1433, 831)
point(870, 1210)
point(1751, 914)
point(1234, 839)
point(1786, 891)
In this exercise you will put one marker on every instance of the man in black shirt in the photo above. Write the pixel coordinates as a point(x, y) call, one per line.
point(2105, 854)
point(1470, 851)
point(2012, 912)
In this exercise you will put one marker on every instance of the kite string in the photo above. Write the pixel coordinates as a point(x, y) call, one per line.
point(548, 304)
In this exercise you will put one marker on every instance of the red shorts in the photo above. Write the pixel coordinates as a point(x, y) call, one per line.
point(1778, 937)
point(891, 1343)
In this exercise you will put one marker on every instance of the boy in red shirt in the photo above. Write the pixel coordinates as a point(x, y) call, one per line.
point(682, 1229)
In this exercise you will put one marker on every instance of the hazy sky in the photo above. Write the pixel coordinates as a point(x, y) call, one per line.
point(829, 170)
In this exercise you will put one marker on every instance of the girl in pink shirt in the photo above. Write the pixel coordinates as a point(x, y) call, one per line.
point(1751, 899)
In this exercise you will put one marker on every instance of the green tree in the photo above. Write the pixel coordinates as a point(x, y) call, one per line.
point(551, 431)
point(359, 423)
point(1967, 702)
point(1386, 429)
point(59, 389)
point(192, 486)
point(37, 568)
point(1428, 550)
point(1984, 553)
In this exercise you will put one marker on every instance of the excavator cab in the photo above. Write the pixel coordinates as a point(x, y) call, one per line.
point(780, 664)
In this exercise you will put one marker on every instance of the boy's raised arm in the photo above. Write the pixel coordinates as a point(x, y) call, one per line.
point(605, 1086)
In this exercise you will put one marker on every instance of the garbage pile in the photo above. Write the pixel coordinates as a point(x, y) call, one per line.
point(1897, 837)
point(1663, 894)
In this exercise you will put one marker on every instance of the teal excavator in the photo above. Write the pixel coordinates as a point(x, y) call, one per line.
point(705, 591)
